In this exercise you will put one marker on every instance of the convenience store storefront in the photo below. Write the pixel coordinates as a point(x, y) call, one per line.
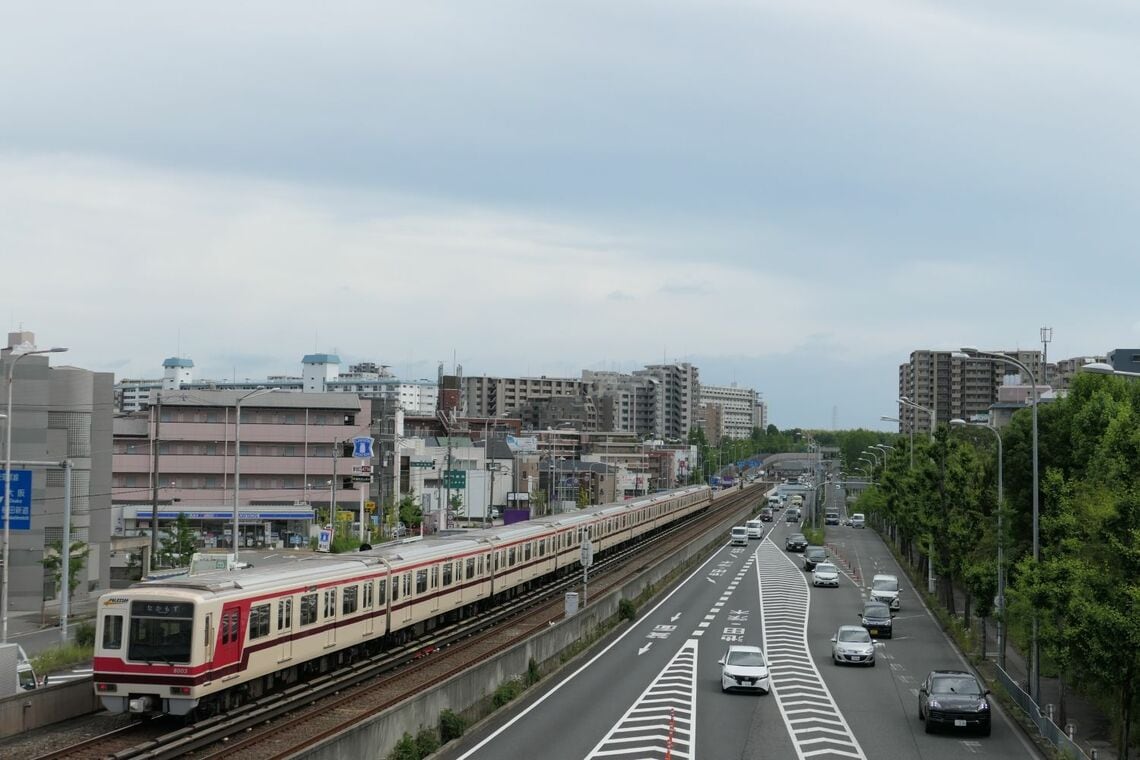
point(281, 526)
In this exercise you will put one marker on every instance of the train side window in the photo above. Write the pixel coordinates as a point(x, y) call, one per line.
point(113, 632)
point(382, 591)
point(421, 581)
point(527, 550)
point(435, 576)
point(498, 560)
point(447, 574)
point(330, 603)
point(407, 584)
point(258, 621)
point(308, 609)
point(284, 614)
point(542, 548)
point(367, 603)
point(349, 600)
point(471, 567)
point(511, 557)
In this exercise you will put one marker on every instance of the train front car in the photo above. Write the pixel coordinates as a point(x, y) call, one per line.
point(147, 656)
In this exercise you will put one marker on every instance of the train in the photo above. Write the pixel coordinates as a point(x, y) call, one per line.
point(200, 645)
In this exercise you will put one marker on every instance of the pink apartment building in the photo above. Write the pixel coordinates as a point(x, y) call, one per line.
point(296, 457)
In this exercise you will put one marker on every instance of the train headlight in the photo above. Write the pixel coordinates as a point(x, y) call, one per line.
point(180, 691)
point(106, 687)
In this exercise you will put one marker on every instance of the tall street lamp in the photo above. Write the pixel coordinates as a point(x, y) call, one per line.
point(1101, 368)
point(1035, 669)
point(930, 412)
point(237, 457)
point(13, 358)
point(885, 418)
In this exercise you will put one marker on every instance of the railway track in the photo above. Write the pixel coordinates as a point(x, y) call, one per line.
point(281, 724)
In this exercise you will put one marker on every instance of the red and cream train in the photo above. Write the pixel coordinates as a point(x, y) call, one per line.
point(207, 642)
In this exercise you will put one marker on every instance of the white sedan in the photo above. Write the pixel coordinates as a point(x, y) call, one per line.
point(825, 574)
point(744, 667)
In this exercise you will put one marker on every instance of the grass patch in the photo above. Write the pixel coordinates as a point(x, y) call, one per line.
point(61, 657)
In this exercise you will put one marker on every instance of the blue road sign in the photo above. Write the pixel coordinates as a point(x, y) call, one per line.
point(362, 447)
point(20, 490)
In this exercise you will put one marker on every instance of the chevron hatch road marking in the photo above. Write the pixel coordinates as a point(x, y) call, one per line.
point(815, 722)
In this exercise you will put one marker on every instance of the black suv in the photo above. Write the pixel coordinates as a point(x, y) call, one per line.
point(766, 514)
point(953, 698)
point(876, 618)
point(795, 542)
point(813, 555)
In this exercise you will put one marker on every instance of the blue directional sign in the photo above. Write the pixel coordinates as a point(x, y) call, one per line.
point(362, 447)
point(20, 489)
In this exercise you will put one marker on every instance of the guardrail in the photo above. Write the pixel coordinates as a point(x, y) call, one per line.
point(1045, 725)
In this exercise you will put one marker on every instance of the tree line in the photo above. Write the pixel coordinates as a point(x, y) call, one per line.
point(1084, 590)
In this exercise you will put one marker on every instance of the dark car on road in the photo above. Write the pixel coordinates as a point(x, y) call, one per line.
point(876, 618)
point(813, 555)
point(954, 699)
point(795, 542)
point(766, 514)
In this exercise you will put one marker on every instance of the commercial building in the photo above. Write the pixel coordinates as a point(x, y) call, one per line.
point(741, 410)
point(178, 456)
point(58, 413)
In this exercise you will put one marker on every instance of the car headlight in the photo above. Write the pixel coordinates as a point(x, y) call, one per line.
point(983, 706)
point(934, 703)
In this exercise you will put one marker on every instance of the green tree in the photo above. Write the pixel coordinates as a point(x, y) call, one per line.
point(410, 513)
point(53, 563)
point(178, 545)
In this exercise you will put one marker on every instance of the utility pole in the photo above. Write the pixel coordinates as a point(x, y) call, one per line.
point(154, 482)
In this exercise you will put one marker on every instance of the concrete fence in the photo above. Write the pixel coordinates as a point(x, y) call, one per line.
point(51, 704)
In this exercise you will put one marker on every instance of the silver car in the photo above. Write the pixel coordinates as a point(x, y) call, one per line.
point(852, 644)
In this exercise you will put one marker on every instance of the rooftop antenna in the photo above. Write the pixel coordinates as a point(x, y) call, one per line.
point(1046, 339)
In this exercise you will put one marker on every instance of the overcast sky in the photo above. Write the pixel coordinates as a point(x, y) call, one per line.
point(791, 194)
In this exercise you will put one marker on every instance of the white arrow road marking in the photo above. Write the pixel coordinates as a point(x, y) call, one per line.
point(675, 618)
point(644, 649)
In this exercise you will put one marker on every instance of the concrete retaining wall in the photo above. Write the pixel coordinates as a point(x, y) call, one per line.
point(40, 707)
point(375, 737)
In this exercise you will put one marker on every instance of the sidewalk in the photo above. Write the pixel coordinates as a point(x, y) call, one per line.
point(1092, 729)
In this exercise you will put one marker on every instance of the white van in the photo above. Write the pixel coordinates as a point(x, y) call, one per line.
point(885, 588)
point(857, 520)
point(739, 536)
point(755, 528)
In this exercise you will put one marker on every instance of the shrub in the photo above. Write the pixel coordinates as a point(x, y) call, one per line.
point(627, 610)
point(61, 658)
point(85, 634)
point(405, 749)
point(506, 692)
point(451, 726)
point(533, 675)
point(426, 742)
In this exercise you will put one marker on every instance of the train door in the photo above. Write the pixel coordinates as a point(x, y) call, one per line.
point(285, 628)
point(231, 636)
point(404, 581)
point(369, 607)
point(330, 617)
point(433, 587)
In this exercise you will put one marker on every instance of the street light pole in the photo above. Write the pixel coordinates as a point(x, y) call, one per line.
point(1000, 540)
point(885, 418)
point(237, 457)
point(13, 358)
point(1035, 670)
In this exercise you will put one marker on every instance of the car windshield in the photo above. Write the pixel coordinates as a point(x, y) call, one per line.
point(876, 610)
point(825, 567)
point(855, 636)
point(956, 685)
point(885, 584)
point(796, 537)
point(745, 658)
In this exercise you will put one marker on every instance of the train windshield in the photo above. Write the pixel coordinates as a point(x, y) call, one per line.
point(161, 631)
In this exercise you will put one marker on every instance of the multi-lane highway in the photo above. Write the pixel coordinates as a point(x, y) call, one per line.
point(654, 690)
